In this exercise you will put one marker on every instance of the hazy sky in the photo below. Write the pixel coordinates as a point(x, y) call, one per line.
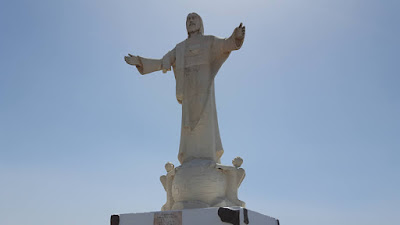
point(310, 102)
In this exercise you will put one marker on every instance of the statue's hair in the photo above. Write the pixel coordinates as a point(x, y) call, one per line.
point(201, 23)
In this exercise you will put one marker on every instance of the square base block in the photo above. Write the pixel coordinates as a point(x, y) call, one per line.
point(208, 216)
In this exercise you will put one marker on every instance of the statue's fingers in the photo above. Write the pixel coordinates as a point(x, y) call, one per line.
point(130, 55)
point(240, 25)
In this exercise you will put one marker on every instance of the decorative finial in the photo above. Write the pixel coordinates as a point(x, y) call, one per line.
point(169, 166)
point(237, 162)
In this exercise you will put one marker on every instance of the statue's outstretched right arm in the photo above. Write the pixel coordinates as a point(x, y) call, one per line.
point(143, 65)
point(146, 65)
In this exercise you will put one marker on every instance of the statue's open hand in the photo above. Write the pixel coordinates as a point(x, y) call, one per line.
point(132, 60)
point(240, 31)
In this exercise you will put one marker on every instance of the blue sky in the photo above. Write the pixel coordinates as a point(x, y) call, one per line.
point(310, 102)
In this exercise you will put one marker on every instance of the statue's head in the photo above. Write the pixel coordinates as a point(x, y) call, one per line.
point(194, 24)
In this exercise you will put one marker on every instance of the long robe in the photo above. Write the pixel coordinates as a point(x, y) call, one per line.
point(195, 62)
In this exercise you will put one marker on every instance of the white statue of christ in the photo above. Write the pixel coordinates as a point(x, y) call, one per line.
point(195, 62)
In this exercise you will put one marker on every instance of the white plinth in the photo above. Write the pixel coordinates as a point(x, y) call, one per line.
point(208, 216)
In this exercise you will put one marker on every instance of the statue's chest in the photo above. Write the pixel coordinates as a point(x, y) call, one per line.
point(196, 54)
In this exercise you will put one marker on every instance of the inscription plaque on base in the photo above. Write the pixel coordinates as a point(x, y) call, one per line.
point(168, 218)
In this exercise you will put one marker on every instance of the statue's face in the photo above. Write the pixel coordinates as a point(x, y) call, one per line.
point(193, 23)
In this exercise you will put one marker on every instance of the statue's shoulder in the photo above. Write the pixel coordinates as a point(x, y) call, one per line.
point(182, 43)
point(212, 40)
point(210, 37)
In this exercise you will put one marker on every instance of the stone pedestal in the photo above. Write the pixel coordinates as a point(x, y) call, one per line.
point(202, 183)
point(204, 216)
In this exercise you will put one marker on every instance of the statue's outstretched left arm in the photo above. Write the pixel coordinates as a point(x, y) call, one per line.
point(234, 42)
point(238, 35)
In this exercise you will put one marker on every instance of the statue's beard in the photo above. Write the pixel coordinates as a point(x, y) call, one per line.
point(193, 28)
point(194, 31)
